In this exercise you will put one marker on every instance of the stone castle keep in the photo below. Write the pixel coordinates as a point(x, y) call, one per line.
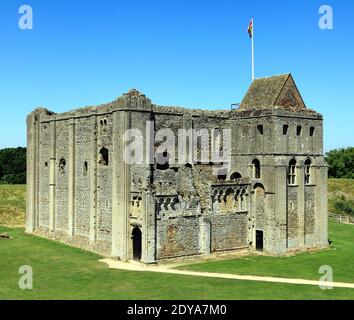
point(274, 197)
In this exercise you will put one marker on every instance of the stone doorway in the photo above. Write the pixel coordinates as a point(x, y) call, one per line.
point(136, 238)
point(259, 240)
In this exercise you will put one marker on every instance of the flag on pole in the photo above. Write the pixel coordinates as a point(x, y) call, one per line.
point(251, 34)
point(250, 28)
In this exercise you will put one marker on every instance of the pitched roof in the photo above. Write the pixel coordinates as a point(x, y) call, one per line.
point(275, 91)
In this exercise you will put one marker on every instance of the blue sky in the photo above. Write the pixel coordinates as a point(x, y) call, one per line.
point(191, 53)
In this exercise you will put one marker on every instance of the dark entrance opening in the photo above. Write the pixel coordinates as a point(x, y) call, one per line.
point(136, 236)
point(259, 240)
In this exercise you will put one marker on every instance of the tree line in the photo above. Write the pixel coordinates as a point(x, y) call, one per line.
point(341, 163)
point(13, 164)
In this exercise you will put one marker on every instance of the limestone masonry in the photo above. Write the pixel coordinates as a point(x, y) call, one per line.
point(274, 198)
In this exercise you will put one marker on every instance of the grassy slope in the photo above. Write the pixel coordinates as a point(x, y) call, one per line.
point(63, 272)
point(340, 190)
point(12, 205)
point(342, 185)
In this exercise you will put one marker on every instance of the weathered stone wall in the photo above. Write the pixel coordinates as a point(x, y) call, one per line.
point(252, 134)
point(177, 237)
point(229, 231)
point(259, 208)
point(82, 175)
point(287, 139)
point(309, 214)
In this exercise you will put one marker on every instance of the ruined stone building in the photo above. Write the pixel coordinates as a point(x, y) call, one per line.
point(273, 198)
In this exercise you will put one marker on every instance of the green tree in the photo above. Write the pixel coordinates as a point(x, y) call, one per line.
point(341, 163)
point(13, 166)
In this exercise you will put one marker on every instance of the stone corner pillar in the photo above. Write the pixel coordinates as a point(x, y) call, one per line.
point(322, 207)
point(32, 174)
point(120, 187)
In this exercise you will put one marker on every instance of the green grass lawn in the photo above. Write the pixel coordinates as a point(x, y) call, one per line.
point(63, 272)
point(340, 256)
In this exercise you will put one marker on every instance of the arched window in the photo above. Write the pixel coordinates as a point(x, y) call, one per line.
point(235, 176)
point(103, 122)
point(104, 156)
point(137, 243)
point(307, 171)
point(256, 169)
point(260, 129)
point(292, 172)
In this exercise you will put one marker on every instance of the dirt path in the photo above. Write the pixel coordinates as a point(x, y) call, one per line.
point(133, 266)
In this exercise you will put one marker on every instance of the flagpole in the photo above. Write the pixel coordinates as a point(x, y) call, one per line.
point(252, 49)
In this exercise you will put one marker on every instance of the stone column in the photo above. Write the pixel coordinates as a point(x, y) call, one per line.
point(120, 188)
point(52, 178)
point(37, 170)
point(93, 180)
point(71, 187)
point(149, 232)
point(300, 177)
